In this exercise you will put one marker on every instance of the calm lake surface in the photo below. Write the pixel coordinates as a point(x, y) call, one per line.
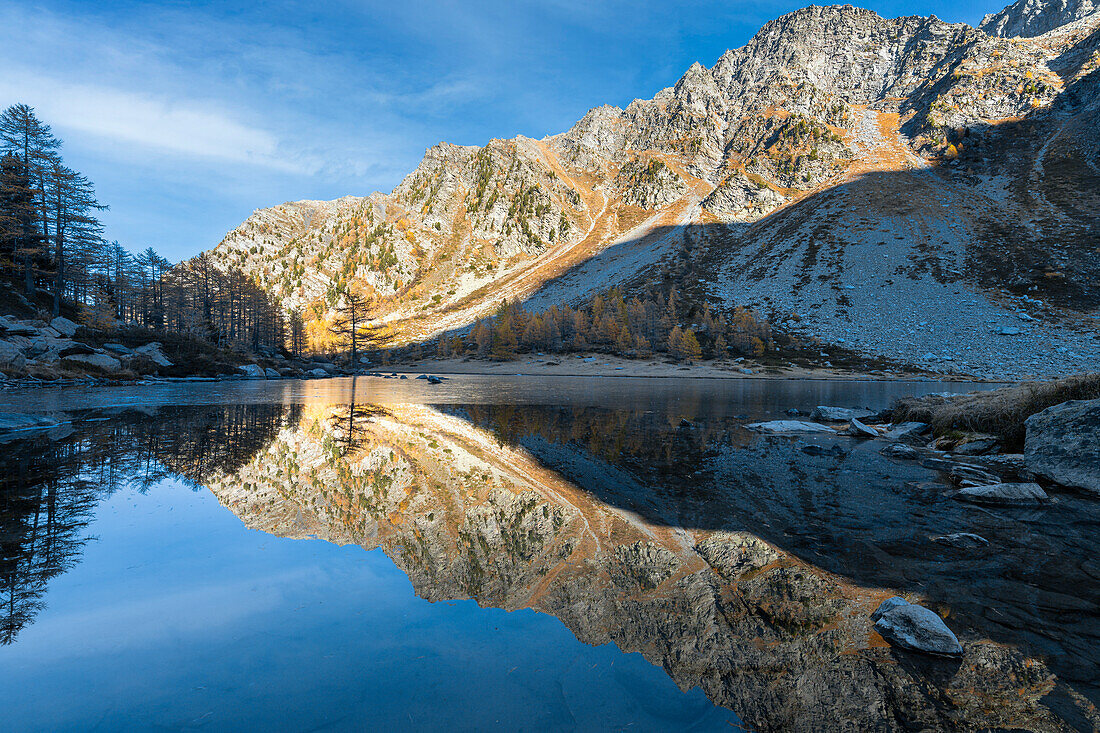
point(515, 553)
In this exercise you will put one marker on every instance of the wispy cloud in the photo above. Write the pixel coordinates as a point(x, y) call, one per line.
point(177, 126)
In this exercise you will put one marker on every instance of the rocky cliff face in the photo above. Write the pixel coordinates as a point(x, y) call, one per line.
point(785, 644)
point(972, 155)
point(1029, 18)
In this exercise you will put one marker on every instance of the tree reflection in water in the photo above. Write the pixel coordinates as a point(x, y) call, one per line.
point(51, 482)
point(737, 563)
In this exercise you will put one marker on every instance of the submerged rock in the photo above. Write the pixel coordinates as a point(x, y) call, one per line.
point(1017, 494)
point(838, 414)
point(817, 450)
point(915, 627)
point(13, 421)
point(962, 540)
point(900, 450)
point(1063, 444)
point(789, 426)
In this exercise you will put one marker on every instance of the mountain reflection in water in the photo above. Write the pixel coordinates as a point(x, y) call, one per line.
point(736, 562)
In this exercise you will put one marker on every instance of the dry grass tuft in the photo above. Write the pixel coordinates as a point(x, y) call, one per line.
point(1001, 412)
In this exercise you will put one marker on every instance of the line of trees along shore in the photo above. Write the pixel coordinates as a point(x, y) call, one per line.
point(650, 323)
point(52, 248)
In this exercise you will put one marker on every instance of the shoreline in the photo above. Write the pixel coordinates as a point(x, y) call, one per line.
point(603, 365)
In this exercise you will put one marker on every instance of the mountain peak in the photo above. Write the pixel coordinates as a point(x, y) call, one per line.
point(1029, 18)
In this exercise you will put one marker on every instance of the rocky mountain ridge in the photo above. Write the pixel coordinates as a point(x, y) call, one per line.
point(972, 155)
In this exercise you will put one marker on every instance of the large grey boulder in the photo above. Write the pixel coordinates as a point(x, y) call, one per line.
point(11, 357)
point(915, 627)
point(101, 361)
point(1063, 444)
point(907, 431)
point(1019, 494)
point(789, 426)
point(152, 350)
point(11, 327)
point(252, 371)
point(271, 373)
point(838, 414)
point(64, 326)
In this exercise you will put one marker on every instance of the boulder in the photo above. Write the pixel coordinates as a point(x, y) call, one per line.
point(118, 349)
point(789, 426)
point(271, 373)
point(899, 450)
point(915, 627)
point(11, 357)
point(1018, 494)
point(11, 327)
point(252, 371)
point(76, 349)
point(907, 431)
point(64, 326)
point(1063, 444)
point(855, 427)
point(838, 414)
point(318, 372)
point(432, 379)
point(975, 446)
point(101, 361)
point(152, 350)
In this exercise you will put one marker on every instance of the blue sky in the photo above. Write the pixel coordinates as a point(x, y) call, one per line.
point(189, 115)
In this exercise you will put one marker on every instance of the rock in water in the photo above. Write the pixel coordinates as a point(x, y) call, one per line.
point(271, 373)
point(1063, 444)
point(1022, 494)
point(789, 426)
point(915, 627)
point(838, 414)
point(897, 450)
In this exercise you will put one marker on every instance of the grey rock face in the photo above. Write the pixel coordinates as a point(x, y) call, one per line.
point(962, 540)
point(1028, 18)
point(915, 627)
point(253, 371)
point(1063, 444)
point(1017, 494)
